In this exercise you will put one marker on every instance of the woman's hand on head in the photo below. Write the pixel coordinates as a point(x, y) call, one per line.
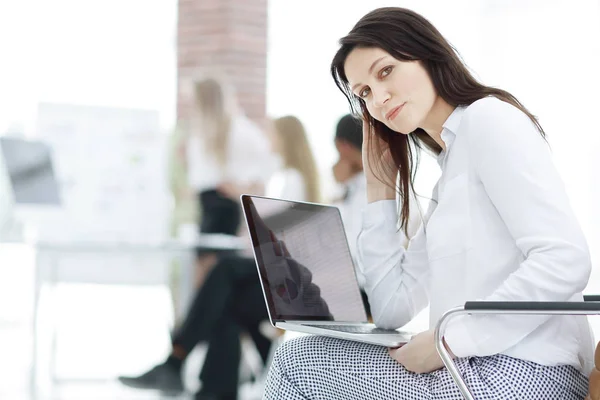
point(378, 165)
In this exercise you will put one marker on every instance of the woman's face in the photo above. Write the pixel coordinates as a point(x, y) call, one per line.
point(399, 94)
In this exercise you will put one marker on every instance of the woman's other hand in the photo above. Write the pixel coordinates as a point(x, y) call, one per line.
point(419, 355)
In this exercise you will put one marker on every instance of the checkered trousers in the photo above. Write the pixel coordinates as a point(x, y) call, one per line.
point(321, 368)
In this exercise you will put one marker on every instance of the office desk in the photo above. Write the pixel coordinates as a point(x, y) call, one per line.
point(50, 270)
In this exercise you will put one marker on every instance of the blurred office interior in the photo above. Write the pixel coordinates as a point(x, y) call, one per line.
point(92, 277)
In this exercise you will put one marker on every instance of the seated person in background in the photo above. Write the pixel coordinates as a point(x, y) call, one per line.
point(231, 301)
point(348, 171)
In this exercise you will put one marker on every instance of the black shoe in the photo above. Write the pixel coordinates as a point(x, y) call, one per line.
point(163, 377)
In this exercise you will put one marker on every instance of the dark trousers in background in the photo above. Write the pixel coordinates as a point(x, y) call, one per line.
point(230, 302)
point(219, 214)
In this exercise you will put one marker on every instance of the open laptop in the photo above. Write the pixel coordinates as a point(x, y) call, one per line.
point(306, 271)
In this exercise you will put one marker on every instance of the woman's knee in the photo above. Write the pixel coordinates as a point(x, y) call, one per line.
point(302, 352)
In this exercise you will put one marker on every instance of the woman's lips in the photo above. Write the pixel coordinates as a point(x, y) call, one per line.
point(394, 112)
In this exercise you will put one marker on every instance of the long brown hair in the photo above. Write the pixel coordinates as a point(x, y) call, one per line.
point(407, 36)
point(297, 154)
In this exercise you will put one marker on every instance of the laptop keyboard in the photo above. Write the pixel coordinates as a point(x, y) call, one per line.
point(357, 329)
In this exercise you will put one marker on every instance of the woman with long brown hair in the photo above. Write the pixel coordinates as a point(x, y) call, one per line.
point(499, 227)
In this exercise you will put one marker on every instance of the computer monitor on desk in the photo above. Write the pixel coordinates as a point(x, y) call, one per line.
point(29, 190)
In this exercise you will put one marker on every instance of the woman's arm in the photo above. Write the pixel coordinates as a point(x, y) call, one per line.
point(396, 278)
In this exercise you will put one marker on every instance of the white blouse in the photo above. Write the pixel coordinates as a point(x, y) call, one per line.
point(287, 184)
point(499, 227)
point(352, 208)
point(249, 158)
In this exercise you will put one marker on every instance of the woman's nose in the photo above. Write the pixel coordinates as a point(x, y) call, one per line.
point(380, 98)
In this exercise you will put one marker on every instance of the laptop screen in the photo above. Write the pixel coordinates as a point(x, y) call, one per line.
point(303, 260)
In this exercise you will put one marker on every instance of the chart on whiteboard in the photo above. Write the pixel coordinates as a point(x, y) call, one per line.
point(111, 164)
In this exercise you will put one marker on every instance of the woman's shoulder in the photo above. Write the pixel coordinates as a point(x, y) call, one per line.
point(490, 106)
point(247, 135)
point(492, 110)
point(240, 123)
point(491, 121)
point(488, 118)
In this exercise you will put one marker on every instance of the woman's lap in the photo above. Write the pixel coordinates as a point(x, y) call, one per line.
point(315, 367)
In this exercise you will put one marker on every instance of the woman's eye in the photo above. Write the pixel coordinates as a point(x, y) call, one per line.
point(364, 93)
point(386, 71)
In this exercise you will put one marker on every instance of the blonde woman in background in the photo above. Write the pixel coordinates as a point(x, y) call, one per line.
point(231, 300)
point(298, 179)
point(224, 149)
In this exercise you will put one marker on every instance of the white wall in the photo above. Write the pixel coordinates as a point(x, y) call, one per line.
point(104, 53)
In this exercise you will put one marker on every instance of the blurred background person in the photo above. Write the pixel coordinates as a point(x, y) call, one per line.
point(231, 301)
point(298, 179)
point(348, 171)
point(225, 152)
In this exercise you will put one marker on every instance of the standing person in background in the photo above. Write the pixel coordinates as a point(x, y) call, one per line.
point(231, 300)
point(224, 151)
